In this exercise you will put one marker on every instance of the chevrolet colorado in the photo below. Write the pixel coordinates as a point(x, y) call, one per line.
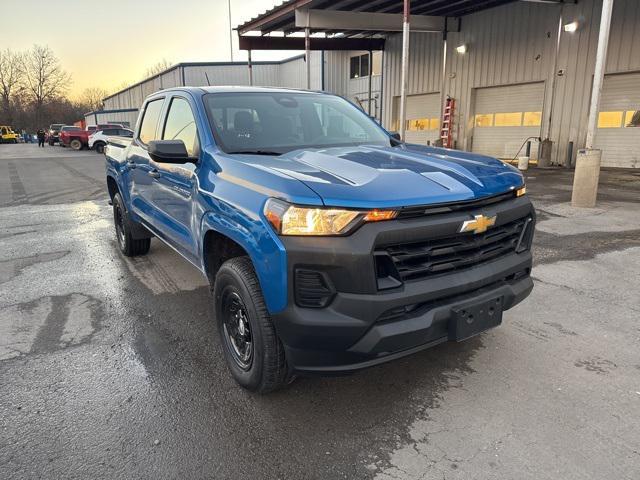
point(329, 245)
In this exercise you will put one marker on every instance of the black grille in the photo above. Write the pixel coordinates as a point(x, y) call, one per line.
point(441, 255)
point(313, 289)
point(421, 211)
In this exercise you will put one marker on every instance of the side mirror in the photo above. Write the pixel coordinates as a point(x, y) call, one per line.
point(168, 151)
point(395, 135)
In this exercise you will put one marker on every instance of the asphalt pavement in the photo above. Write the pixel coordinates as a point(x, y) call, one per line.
point(111, 367)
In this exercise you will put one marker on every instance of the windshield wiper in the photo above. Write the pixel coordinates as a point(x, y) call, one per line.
point(254, 152)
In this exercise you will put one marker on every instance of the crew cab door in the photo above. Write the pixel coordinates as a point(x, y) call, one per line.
point(142, 176)
point(175, 184)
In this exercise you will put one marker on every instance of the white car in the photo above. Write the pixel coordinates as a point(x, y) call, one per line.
point(99, 138)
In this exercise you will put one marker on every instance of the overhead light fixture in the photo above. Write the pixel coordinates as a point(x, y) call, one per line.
point(571, 27)
point(461, 49)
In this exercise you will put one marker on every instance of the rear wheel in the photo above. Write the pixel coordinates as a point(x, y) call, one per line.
point(75, 144)
point(127, 244)
point(252, 349)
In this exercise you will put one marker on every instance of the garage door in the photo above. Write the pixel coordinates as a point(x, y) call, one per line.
point(505, 117)
point(618, 134)
point(423, 113)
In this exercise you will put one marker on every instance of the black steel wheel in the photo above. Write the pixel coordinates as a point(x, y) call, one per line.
point(237, 329)
point(128, 245)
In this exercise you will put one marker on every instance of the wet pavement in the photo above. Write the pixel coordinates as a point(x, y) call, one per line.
point(111, 367)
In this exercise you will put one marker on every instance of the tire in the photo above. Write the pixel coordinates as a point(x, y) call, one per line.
point(127, 244)
point(75, 144)
point(260, 367)
point(99, 146)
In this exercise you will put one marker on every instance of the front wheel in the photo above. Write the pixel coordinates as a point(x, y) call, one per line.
point(99, 146)
point(252, 349)
point(128, 245)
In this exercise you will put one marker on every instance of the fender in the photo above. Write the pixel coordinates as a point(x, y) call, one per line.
point(267, 253)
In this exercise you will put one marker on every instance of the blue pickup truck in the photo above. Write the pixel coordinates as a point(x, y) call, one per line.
point(329, 244)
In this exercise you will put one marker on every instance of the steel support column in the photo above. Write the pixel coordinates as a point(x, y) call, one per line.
point(370, 79)
point(307, 56)
point(250, 67)
point(598, 76)
point(405, 67)
point(587, 174)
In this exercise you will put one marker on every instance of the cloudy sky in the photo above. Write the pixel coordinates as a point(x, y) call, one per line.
point(107, 43)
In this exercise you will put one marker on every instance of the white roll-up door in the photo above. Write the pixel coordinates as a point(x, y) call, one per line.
point(505, 117)
point(423, 118)
point(618, 133)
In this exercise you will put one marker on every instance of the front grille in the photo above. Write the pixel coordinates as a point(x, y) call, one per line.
point(432, 257)
point(421, 211)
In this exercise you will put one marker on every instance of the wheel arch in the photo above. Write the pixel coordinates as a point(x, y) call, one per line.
point(229, 238)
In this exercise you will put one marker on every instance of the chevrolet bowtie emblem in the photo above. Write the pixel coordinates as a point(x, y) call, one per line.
point(479, 224)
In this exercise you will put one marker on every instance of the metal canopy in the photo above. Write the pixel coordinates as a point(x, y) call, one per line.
point(298, 43)
point(282, 18)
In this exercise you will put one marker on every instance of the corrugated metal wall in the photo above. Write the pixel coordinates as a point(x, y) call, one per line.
point(290, 74)
point(516, 44)
point(337, 79)
point(112, 117)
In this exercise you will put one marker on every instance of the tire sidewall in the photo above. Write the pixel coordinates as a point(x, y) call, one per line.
point(75, 145)
point(227, 281)
point(100, 147)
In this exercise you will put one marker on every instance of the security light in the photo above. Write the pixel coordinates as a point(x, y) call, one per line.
point(571, 27)
point(461, 49)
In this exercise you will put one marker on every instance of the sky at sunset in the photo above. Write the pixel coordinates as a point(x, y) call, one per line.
point(105, 44)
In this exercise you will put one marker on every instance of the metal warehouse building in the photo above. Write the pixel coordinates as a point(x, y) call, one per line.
point(327, 72)
point(515, 70)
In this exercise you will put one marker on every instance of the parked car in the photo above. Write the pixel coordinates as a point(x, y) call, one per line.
point(74, 137)
point(99, 138)
point(7, 135)
point(330, 245)
point(53, 135)
point(102, 126)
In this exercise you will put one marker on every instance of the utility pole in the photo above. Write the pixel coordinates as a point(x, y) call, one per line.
point(587, 174)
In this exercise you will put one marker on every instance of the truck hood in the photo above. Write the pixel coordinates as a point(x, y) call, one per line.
point(384, 177)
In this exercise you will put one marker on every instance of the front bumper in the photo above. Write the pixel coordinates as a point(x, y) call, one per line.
point(355, 330)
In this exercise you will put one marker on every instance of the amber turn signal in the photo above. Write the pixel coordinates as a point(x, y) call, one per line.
point(380, 215)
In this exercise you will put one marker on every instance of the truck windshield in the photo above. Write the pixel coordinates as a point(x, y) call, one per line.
point(279, 122)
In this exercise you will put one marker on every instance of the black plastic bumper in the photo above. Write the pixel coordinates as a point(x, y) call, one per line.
point(355, 330)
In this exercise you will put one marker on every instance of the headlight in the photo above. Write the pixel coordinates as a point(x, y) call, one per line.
point(288, 219)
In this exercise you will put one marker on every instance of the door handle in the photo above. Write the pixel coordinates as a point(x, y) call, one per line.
point(154, 173)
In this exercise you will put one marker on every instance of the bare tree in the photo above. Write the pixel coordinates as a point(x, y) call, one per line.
point(92, 98)
point(161, 66)
point(44, 77)
point(11, 75)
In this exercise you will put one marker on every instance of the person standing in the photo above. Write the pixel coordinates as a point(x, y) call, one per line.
point(41, 136)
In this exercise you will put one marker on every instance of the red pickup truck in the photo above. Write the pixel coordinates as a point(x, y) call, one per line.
point(76, 138)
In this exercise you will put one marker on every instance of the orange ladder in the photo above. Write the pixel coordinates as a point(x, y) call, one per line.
point(446, 129)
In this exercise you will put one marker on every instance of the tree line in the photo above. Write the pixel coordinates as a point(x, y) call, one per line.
point(34, 88)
